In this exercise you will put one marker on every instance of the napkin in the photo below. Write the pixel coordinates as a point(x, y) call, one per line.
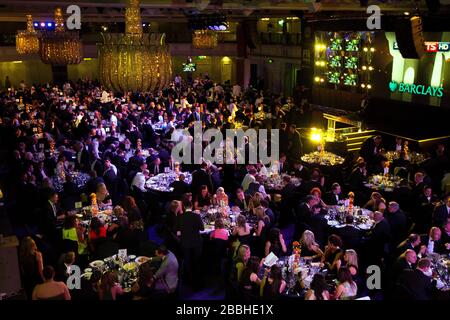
point(270, 260)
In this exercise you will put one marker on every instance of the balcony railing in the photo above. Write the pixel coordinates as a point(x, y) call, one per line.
point(290, 39)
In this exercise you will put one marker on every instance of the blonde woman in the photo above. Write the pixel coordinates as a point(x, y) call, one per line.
point(103, 197)
point(255, 202)
point(31, 265)
point(309, 248)
point(240, 261)
point(221, 198)
point(349, 260)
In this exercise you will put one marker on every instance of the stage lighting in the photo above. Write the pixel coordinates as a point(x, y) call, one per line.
point(49, 24)
point(36, 24)
point(43, 24)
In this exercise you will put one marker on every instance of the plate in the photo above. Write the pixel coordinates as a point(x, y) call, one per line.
point(132, 257)
point(87, 275)
point(363, 226)
point(340, 226)
point(96, 264)
point(129, 266)
point(333, 223)
point(141, 259)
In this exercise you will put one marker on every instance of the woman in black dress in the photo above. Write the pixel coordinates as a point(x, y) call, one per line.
point(273, 285)
point(204, 199)
point(249, 284)
point(31, 265)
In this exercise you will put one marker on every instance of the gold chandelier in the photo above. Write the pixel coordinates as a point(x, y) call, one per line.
point(60, 47)
point(27, 41)
point(134, 61)
point(204, 39)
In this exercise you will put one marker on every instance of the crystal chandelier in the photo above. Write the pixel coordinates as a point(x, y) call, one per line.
point(204, 39)
point(27, 41)
point(134, 61)
point(60, 47)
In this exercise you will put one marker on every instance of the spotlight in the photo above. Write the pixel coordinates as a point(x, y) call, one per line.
point(322, 80)
point(369, 86)
point(372, 49)
point(143, 24)
point(365, 49)
point(316, 79)
point(370, 68)
point(42, 24)
point(36, 24)
point(363, 85)
point(364, 67)
point(49, 24)
point(406, 13)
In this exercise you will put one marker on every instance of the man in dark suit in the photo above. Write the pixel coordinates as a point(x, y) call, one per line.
point(370, 148)
point(302, 214)
point(418, 284)
point(333, 197)
point(419, 183)
point(422, 213)
point(318, 225)
point(155, 167)
point(433, 242)
point(397, 221)
point(241, 200)
point(82, 161)
point(358, 177)
point(189, 225)
point(50, 215)
point(412, 242)
point(300, 171)
point(441, 213)
point(446, 235)
point(283, 166)
point(406, 261)
point(180, 186)
point(350, 235)
point(378, 239)
point(201, 177)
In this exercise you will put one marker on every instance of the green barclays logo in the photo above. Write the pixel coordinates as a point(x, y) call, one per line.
point(416, 89)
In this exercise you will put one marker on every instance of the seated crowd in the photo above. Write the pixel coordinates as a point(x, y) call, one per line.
point(56, 135)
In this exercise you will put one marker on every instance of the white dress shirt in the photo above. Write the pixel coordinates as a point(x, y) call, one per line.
point(139, 181)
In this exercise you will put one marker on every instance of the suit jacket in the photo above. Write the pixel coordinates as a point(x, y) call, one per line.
point(439, 246)
point(201, 177)
point(418, 285)
point(330, 198)
point(378, 238)
point(356, 179)
point(152, 167)
point(398, 224)
point(190, 224)
point(351, 237)
point(167, 274)
point(304, 173)
point(302, 213)
point(402, 247)
point(84, 163)
point(319, 226)
point(440, 215)
point(399, 266)
point(180, 187)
